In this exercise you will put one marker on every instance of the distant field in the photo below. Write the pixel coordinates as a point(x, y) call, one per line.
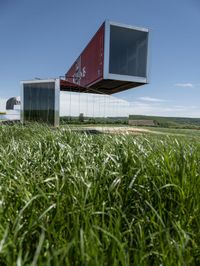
point(169, 122)
point(71, 198)
point(142, 120)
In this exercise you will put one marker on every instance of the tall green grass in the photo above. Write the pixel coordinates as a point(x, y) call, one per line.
point(74, 199)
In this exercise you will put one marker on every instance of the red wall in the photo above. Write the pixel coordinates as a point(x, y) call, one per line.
point(88, 68)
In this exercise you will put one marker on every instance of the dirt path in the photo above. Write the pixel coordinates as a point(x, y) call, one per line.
point(109, 129)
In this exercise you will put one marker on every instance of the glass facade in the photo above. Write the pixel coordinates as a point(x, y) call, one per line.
point(39, 102)
point(128, 51)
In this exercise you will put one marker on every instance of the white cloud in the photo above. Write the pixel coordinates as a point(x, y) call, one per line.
point(164, 110)
point(150, 99)
point(184, 85)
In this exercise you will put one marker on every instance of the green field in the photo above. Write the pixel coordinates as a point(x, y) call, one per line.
point(159, 121)
point(68, 198)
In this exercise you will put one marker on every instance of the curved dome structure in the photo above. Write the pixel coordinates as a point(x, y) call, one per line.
point(12, 102)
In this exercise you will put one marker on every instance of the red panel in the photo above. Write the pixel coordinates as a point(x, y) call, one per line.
point(88, 68)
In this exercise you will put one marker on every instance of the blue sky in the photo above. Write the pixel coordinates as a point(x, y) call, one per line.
point(42, 38)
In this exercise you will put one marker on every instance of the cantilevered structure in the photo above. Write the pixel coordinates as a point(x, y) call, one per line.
point(115, 59)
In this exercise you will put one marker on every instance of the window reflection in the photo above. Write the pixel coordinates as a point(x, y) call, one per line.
point(39, 102)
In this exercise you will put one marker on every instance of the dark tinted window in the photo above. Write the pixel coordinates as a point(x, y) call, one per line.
point(39, 102)
point(128, 51)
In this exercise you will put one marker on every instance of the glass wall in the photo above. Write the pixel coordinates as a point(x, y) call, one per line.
point(128, 51)
point(39, 102)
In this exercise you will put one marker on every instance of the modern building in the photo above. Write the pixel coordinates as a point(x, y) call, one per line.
point(40, 101)
point(115, 59)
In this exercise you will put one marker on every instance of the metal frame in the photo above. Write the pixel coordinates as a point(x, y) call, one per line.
point(56, 103)
point(106, 74)
point(106, 49)
point(22, 102)
point(148, 57)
